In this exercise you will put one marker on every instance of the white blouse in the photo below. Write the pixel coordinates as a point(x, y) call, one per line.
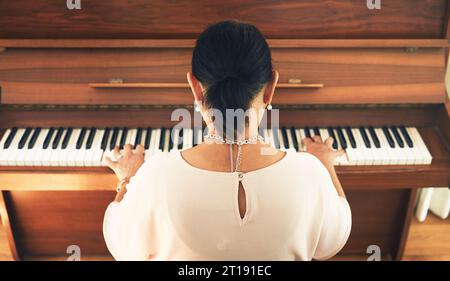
point(174, 211)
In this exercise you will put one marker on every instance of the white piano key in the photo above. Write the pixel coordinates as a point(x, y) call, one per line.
point(24, 152)
point(290, 139)
point(3, 151)
point(71, 155)
point(426, 157)
point(366, 153)
point(176, 139)
point(389, 158)
point(351, 153)
point(94, 155)
point(281, 140)
point(412, 155)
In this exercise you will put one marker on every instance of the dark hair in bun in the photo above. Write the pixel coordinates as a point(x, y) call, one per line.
point(232, 60)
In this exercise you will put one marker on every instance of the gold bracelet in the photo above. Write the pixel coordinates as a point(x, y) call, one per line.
point(121, 182)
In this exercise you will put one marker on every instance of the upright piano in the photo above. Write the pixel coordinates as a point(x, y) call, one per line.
point(75, 82)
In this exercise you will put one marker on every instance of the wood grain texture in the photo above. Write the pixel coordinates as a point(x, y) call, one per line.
point(48, 222)
point(350, 76)
point(190, 43)
point(9, 225)
point(428, 240)
point(186, 19)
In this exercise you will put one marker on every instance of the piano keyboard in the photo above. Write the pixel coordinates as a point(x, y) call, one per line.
point(86, 147)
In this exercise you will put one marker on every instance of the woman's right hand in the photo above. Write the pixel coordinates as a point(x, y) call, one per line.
point(322, 150)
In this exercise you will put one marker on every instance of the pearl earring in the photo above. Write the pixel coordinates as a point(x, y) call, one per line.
point(197, 106)
point(269, 107)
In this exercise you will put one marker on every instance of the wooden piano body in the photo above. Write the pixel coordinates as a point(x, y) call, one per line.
point(377, 67)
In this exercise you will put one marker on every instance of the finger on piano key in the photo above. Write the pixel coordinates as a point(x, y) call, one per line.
point(341, 144)
point(307, 132)
point(139, 138)
point(114, 138)
point(300, 133)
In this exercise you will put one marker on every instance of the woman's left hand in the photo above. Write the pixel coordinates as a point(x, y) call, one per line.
point(127, 163)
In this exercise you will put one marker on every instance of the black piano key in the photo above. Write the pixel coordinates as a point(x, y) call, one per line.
point(351, 137)
point(105, 138)
point(388, 136)
point(406, 136)
point(397, 137)
point(161, 139)
point(57, 139)
point(24, 138)
point(138, 139)
point(66, 138)
point(180, 140)
point(148, 138)
point(285, 138)
point(333, 136)
point(34, 138)
point(114, 136)
point(276, 141)
point(48, 138)
point(316, 131)
point(374, 137)
point(90, 138)
point(171, 133)
point(10, 138)
point(123, 138)
point(294, 138)
point(81, 138)
point(365, 137)
point(307, 133)
point(341, 137)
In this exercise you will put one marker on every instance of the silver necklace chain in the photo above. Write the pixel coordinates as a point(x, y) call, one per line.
point(239, 143)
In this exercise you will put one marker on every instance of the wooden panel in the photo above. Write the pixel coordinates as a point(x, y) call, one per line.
point(350, 76)
point(190, 43)
point(419, 116)
point(377, 219)
point(48, 222)
point(183, 18)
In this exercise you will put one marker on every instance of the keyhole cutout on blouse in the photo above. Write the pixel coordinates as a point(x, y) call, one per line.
point(242, 201)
